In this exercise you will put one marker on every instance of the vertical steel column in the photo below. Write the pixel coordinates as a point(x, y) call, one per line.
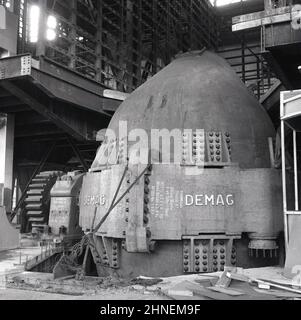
point(99, 43)
point(130, 59)
point(168, 19)
point(243, 58)
point(296, 171)
point(259, 79)
point(78, 154)
point(21, 11)
point(140, 46)
point(155, 36)
point(73, 34)
point(190, 25)
point(41, 44)
point(7, 138)
point(286, 235)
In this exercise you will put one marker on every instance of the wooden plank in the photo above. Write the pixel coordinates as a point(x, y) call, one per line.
point(224, 281)
point(238, 277)
point(227, 291)
point(277, 286)
point(278, 293)
point(183, 293)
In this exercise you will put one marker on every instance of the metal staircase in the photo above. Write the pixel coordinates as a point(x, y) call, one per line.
point(251, 67)
point(37, 200)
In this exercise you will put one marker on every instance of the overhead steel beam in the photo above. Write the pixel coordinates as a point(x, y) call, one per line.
point(42, 109)
point(41, 129)
point(59, 82)
point(116, 42)
point(29, 118)
point(78, 154)
point(9, 102)
point(14, 108)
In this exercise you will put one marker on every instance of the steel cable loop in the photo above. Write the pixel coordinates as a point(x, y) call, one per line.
point(78, 249)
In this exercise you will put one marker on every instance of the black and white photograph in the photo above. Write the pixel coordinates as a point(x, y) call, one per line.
point(150, 155)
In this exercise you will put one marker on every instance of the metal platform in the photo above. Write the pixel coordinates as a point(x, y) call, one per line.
point(54, 99)
point(280, 40)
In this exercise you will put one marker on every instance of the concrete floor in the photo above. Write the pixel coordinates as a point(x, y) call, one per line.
point(10, 264)
point(13, 294)
point(13, 260)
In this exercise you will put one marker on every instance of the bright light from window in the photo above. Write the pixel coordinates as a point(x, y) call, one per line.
point(51, 22)
point(50, 35)
point(51, 25)
point(219, 3)
point(34, 17)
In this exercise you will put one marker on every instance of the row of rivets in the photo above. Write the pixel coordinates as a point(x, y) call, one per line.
point(186, 256)
point(219, 257)
point(96, 256)
point(201, 250)
point(195, 153)
point(215, 149)
point(201, 253)
point(199, 147)
point(146, 202)
point(187, 152)
point(146, 210)
point(115, 254)
point(233, 256)
point(122, 151)
point(105, 258)
point(228, 142)
point(127, 200)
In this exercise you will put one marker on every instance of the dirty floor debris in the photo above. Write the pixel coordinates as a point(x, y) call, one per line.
point(233, 284)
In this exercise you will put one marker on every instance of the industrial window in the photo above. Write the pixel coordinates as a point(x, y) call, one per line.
point(218, 3)
point(6, 3)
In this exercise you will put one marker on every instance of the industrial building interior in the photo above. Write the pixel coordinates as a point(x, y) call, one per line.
point(71, 71)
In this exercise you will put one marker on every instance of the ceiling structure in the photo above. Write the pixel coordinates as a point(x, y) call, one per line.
point(111, 44)
point(118, 43)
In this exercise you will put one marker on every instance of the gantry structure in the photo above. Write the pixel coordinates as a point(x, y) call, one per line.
point(118, 43)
